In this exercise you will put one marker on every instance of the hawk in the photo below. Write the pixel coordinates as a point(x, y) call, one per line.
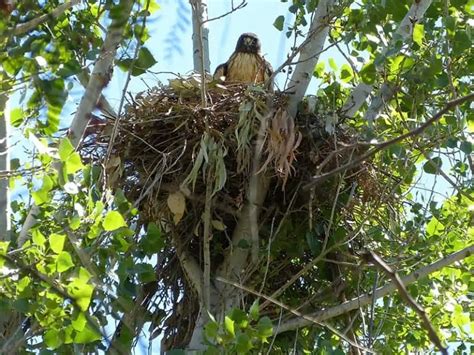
point(246, 64)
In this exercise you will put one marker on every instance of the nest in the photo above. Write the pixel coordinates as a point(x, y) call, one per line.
point(168, 150)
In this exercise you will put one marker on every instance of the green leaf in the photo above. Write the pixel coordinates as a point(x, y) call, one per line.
point(229, 326)
point(311, 5)
point(80, 322)
point(319, 70)
point(418, 33)
point(239, 317)
point(75, 223)
point(434, 227)
point(56, 242)
point(87, 335)
point(113, 221)
point(53, 338)
point(64, 261)
point(211, 329)
point(432, 166)
point(243, 344)
point(152, 242)
point(153, 6)
point(65, 149)
point(17, 116)
point(346, 73)
point(84, 275)
point(466, 147)
point(279, 22)
point(3, 247)
point(73, 163)
point(368, 73)
point(81, 291)
point(42, 195)
point(332, 64)
point(144, 61)
point(38, 237)
point(145, 272)
point(264, 328)
point(254, 310)
point(459, 318)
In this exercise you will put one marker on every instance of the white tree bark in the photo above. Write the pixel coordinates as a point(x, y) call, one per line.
point(309, 55)
point(200, 35)
point(362, 91)
point(5, 166)
point(100, 77)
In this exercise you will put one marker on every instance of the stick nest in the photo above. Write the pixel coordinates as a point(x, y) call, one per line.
point(167, 149)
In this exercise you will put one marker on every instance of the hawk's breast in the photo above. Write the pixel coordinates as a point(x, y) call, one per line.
point(246, 68)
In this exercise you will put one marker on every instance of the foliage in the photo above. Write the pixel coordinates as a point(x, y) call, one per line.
point(97, 272)
point(240, 332)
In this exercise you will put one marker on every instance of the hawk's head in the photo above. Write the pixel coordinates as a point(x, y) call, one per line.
point(248, 43)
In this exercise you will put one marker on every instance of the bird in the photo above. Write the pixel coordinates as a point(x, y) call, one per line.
point(246, 64)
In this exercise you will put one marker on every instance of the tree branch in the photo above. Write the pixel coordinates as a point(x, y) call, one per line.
point(293, 311)
point(30, 25)
point(362, 91)
point(381, 146)
point(315, 40)
point(408, 299)
point(366, 299)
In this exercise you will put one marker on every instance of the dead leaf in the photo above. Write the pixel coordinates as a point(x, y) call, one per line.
point(177, 205)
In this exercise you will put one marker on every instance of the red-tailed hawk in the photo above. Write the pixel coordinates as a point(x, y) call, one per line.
point(246, 64)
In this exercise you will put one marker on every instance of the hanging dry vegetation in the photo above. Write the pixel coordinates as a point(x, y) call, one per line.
point(163, 157)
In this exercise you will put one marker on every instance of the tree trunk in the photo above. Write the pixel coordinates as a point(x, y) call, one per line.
point(4, 166)
point(200, 36)
point(226, 297)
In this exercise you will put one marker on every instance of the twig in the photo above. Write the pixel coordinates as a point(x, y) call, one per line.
point(364, 300)
point(233, 9)
point(408, 299)
point(383, 145)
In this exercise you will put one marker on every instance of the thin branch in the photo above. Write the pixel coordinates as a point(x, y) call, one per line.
point(408, 299)
point(384, 145)
point(30, 25)
point(366, 299)
point(233, 9)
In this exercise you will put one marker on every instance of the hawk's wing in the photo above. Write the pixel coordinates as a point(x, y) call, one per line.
point(221, 71)
point(267, 74)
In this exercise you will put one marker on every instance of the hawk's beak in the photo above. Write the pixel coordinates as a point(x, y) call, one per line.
point(248, 41)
